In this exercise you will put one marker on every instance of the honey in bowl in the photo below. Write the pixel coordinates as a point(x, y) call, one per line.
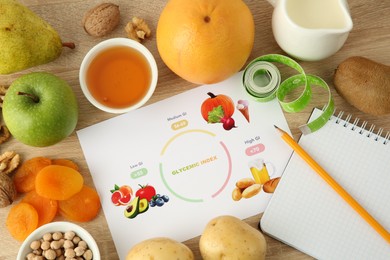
point(119, 77)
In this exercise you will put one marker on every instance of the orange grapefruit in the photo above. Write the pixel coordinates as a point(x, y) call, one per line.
point(205, 41)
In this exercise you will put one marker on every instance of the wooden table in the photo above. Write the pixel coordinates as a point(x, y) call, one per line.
point(370, 37)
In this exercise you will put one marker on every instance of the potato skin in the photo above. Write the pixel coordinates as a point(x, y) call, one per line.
point(161, 248)
point(227, 237)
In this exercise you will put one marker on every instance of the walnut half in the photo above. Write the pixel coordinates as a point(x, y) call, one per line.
point(4, 134)
point(3, 90)
point(9, 161)
point(7, 190)
point(137, 29)
point(102, 19)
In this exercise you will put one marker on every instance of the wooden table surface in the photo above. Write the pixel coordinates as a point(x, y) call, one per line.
point(370, 37)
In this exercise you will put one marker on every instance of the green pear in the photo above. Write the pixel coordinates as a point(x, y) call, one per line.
point(26, 40)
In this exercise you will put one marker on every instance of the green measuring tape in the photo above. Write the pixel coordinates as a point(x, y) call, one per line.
point(262, 81)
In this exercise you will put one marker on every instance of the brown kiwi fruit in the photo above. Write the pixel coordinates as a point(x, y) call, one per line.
point(365, 84)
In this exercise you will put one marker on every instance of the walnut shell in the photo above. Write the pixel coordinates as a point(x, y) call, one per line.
point(102, 19)
point(7, 190)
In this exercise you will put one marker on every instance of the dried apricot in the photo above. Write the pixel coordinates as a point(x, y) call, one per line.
point(82, 207)
point(65, 162)
point(22, 219)
point(46, 208)
point(58, 182)
point(24, 177)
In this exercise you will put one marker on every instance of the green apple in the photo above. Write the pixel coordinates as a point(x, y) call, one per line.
point(40, 109)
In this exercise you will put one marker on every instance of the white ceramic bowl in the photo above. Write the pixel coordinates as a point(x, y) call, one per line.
point(61, 226)
point(106, 44)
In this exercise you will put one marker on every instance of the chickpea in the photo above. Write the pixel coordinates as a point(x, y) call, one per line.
point(69, 235)
point(35, 245)
point(83, 244)
point(70, 253)
point(76, 240)
point(57, 235)
point(50, 254)
point(68, 244)
point(45, 245)
point(55, 245)
point(47, 237)
point(79, 251)
point(59, 246)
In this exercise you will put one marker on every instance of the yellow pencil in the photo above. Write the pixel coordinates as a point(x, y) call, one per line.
point(340, 190)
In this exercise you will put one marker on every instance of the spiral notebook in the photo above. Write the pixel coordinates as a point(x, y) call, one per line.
point(306, 213)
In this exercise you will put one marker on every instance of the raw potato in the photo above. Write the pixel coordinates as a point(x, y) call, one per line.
point(227, 237)
point(161, 248)
point(365, 84)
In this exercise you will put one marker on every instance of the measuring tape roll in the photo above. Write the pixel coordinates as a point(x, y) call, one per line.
point(262, 81)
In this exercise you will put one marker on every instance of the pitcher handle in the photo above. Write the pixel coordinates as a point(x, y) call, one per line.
point(273, 2)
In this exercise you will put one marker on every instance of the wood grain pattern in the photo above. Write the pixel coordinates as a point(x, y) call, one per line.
point(370, 37)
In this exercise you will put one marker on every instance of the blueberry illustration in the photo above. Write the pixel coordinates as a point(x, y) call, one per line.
point(152, 203)
point(159, 202)
point(165, 198)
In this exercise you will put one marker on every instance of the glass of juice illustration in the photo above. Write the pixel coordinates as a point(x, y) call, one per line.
point(259, 171)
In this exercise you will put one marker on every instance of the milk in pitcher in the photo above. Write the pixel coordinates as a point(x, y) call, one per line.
point(316, 14)
point(311, 29)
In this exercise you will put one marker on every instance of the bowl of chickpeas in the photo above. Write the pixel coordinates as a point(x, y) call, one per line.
point(59, 240)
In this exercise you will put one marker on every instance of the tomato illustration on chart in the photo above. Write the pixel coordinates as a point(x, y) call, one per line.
point(147, 192)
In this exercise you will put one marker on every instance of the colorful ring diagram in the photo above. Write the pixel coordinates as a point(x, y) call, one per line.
point(197, 168)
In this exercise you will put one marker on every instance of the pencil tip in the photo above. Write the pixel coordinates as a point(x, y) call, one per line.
point(276, 127)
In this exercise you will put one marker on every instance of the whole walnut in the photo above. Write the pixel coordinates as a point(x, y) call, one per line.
point(7, 190)
point(102, 19)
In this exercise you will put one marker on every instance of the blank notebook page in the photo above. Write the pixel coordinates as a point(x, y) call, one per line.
point(306, 213)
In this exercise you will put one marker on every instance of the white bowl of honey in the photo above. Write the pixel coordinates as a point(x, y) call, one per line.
point(118, 75)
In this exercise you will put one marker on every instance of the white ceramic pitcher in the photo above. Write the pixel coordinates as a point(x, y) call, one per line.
point(311, 29)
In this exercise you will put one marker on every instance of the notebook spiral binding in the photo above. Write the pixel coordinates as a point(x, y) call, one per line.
point(363, 130)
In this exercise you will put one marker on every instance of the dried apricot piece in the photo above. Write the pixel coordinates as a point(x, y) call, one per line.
point(65, 162)
point(22, 219)
point(46, 208)
point(24, 177)
point(58, 182)
point(82, 207)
